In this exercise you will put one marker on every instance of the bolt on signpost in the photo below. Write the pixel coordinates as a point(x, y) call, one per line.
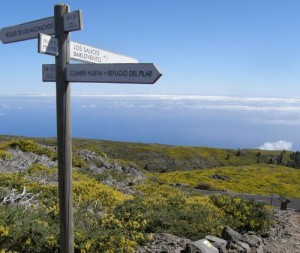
point(103, 67)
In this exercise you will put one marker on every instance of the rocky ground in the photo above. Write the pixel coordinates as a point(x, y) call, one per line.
point(282, 237)
point(285, 234)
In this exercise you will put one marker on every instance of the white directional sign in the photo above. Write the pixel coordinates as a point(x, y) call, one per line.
point(90, 54)
point(143, 73)
point(30, 30)
point(47, 44)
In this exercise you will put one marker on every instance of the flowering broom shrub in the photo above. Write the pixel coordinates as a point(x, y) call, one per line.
point(243, 215)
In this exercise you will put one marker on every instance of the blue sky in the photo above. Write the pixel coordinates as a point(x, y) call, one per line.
point(204, 47)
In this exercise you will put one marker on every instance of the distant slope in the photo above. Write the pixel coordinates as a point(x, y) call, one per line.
point(262, 179)
point(165, 158)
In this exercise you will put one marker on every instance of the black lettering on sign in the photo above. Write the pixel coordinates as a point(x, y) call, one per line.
point(145, 73)
point(95, 73)
point(77, 47)
point(78, 73)
point(25, 31)
point(11, 34)
point(133, 73)
point(91, 51)
point(117, 73)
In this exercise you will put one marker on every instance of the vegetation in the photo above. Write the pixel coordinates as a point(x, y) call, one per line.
point(107, 220)
point(27, 146)
point(266, 179)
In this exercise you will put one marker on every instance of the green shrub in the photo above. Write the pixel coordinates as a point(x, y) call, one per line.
point(29, 146)
point(243, 215)
point(178, 217)
point(40, 169)
point(5, 155)
point(78, 162)
point(27, 231)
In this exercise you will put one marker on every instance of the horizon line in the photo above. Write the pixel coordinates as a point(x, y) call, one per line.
point(152, 95)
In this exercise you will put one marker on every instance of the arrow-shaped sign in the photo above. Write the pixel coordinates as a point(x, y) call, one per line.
point(142, 73)
point(90, 54)
point(49, 45)
point(30, 30)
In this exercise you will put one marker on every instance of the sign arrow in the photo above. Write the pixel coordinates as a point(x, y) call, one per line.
point(49, 45)
point(90, 54)
point(30, 30)
point(140, 73)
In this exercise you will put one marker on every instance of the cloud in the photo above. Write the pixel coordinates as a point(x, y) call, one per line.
point(278, 145)
point(89, 106)
point(286, 122)
point(268, 106)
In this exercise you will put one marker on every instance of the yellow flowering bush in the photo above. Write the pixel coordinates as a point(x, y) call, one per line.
point(5, 155)
point(87, 189)
point(28, 146)
point(243, 214)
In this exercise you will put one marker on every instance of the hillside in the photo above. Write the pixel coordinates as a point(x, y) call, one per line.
point(166, 158)
point(120, 206)
point(244, 171)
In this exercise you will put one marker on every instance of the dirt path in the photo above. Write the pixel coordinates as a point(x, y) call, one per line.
point(285, 234)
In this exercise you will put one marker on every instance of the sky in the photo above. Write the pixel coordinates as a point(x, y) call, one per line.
point(232, 49)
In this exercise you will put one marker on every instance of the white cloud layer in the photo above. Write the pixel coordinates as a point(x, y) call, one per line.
point(278, 145)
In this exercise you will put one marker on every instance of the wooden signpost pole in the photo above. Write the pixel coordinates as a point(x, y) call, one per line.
point(63, 132)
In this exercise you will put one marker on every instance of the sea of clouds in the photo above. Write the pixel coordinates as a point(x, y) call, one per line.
point(216, 121)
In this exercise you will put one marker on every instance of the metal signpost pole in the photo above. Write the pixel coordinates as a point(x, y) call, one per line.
point(63, 132)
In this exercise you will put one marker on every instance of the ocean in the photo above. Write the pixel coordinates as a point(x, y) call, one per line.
point(189, 120)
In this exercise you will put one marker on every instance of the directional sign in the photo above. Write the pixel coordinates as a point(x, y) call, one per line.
point(47, 44)
point(27, 31)
point(90, 54)
point(49, 73)
point(143, 73)
point(73, 21)
point(31, 29)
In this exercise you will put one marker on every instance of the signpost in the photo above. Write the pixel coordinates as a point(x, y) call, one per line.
point(114, 68)
point(64, 144)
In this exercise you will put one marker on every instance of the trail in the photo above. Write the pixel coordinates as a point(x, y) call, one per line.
point(285, 234)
